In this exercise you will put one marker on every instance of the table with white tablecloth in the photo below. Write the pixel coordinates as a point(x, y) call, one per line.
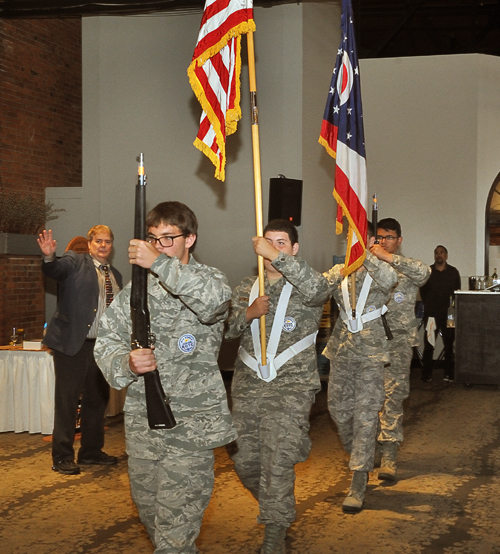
point(26, 391)
point(27, 384)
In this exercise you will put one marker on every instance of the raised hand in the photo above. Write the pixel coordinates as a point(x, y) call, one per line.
point(47, 243)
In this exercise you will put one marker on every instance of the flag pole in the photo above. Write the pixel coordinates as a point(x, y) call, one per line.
point(257, 179)
point(353, 294)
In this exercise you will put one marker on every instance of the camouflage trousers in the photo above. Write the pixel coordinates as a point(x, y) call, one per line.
point(273, 436)
point(355, 397)
point(397, 389)
point(171, 495)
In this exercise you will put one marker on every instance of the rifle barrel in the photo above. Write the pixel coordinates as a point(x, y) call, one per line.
point(159, 413)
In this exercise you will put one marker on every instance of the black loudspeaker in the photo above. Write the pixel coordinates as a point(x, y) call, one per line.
point(285, 199)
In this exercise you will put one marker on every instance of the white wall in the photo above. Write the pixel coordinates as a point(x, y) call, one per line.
point(137, 98)
point(321, 40)
point(488, 147)
point(432, 129)
point(431, 124)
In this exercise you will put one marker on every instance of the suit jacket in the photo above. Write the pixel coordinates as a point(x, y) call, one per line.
point(77, 303)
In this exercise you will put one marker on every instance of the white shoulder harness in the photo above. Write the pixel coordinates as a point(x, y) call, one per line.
point(269, 371)
point(355, 325)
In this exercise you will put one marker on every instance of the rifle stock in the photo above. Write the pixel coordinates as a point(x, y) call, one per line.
point(159, 413)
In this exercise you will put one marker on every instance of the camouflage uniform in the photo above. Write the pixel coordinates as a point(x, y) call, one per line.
point(272, 418)
point(412, 274)
point(356, 384)
point(171, 471)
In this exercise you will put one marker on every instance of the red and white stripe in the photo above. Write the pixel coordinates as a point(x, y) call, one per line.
point(351, 193)
point(214, 74)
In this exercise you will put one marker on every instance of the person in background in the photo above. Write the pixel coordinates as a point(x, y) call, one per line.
point(403, 324)
point(271, 412)
point(171, 471)
point(87, 283)
point(358, 351)
point(436, 295)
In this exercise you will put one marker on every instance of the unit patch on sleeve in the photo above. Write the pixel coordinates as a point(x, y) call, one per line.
point(289, 324)
point(187, 343)
point(399, 297)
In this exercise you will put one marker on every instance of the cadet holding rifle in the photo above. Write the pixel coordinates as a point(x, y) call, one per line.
point(171, 470)
point(160, 414)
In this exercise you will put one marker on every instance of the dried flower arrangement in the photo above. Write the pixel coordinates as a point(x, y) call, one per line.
point(25, 214)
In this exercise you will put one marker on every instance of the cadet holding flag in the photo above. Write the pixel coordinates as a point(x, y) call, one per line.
point(271, 405)
point(361, 286)
point(358, 352)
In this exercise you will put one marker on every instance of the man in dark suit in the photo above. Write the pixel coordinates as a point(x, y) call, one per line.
point(86, 285)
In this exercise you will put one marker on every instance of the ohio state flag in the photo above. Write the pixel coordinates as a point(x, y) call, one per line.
point(343, 137)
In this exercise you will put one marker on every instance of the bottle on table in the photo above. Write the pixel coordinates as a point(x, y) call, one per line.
point(495, 281)
point(450, 321)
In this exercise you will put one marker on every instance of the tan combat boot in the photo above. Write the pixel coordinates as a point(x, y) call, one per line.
point(388, 467)
point(274, 539)
point(353, 503)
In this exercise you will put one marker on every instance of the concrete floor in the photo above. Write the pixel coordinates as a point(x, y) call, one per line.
point(447, 499)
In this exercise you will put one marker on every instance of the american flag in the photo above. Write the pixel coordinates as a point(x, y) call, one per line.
point(343, 137)
point(214, 74)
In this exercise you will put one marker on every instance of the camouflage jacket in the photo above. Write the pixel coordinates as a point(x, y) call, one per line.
point(371, 340)
point(310, 292)
point(188, 305)
point(412, 274)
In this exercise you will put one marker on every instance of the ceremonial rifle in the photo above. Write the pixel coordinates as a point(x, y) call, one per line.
point(387, 329)
point(160, 415)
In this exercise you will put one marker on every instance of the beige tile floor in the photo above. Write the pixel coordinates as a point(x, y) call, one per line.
point(446, 501)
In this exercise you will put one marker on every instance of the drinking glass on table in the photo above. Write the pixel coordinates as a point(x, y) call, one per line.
point(14, 337)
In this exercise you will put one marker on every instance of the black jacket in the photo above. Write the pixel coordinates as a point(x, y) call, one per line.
point(77, 303)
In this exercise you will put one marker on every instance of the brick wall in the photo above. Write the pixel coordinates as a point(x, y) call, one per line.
point(40, 142)
point(40, 104)
point(22, 302)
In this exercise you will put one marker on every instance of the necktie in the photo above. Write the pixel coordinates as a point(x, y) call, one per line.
point(108, 285)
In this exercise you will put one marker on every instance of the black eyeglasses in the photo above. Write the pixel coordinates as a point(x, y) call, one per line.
point(388, 237)
point(164, 241)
